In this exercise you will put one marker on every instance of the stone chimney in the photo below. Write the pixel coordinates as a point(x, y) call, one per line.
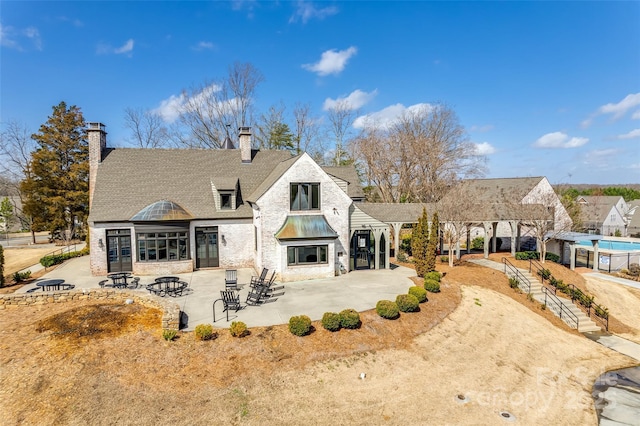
point(244, 137)
point(97, 144)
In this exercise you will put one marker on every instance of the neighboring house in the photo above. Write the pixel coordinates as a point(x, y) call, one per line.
point(602, 214)
point(633, 219)
point(163, 211)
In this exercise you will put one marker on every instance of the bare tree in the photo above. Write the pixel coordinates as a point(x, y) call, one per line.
point(267, 125)
point(418, 156)
point(147, 128)
point(455, 215)
point(210, 107)
point(341, 117)
point(305, 130)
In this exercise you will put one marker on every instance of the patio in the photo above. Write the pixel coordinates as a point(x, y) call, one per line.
point(359, 290)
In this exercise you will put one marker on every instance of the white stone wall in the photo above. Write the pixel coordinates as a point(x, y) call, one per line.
point(235, 249)
point(274, 208)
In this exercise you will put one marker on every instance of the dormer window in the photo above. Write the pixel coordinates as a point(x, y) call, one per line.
point(226, 202)
point(305, 196)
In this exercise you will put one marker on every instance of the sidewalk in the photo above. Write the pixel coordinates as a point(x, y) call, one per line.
point(617, 280)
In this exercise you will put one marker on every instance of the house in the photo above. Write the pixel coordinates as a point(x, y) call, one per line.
point(633, 219)
point(169, 211)
point(605, 215)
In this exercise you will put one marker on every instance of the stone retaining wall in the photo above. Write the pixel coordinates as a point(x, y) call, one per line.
point(170, 310)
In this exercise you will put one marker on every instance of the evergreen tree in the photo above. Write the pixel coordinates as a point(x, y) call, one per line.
point(419, 244)
point(57, 190)
point(432, 246)
point(7, 215)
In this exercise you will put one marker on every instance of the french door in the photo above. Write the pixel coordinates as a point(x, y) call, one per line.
point(207, 255)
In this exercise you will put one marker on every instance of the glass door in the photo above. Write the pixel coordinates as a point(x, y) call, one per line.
point(119, 250)
point(207, 255)
point(360, 249)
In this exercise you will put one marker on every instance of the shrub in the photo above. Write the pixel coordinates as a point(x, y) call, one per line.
point(169, 335)
point(477, 243)
point(331, 321)
point(405, 244)
point(544, 273)
point(444, 259)
point(204, 332)
point(513, 282)
point(349, 318)
point(387, 309)
point(55, 259)
point(300, 325)
point(634, 269)
point(401, 257)
point(552, 257)
point(18, 277)
point(407, 303)
point(433, 275)
point(432, 286)
point(238, 329)
point(526, 255)
point(419, 293)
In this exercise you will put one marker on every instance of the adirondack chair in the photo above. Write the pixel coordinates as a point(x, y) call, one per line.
point(256, 281)
point(230, 300)
point(231, 279)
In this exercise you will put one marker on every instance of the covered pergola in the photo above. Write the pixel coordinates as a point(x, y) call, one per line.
point(572, 239)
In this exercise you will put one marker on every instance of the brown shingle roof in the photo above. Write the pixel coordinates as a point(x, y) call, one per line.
point(500, 190)
point(348, 174)
point(129, 179)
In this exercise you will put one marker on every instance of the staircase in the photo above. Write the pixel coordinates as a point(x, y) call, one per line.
point(561, 306)
point(585, 324)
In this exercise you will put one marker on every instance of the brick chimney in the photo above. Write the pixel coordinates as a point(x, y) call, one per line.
point(97, 144)
point(244, 136)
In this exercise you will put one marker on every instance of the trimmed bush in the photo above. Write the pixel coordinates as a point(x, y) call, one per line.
point(432, 286)
point(169, 335)
point(203, 332)
point(56, 259)
point(433, 275)
point(238, 329)
point(387, 309)
point(477, 243)
point(349, 318)
point(526, 255)
point(407, 303)
point(419, 293)
point(300, 325)
point(444, 259)
point(331, 321)
point(18, 277)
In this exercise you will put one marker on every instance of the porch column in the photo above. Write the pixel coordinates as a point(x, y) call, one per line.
point(376, 248)
point(596, 255)
point(514, 236)
point(493, 237)
point(487, 232)
point(387, 251)
point(396, 238)
point(468, 239)
point(518, 236)
point(572, 255)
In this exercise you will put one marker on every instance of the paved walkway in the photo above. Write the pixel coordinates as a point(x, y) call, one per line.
point(360, 290)
point(617, 280)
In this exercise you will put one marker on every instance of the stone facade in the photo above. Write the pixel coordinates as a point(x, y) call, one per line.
point(170, 310)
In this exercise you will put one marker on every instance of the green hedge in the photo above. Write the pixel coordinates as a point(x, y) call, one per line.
point(387, 309)
point(349, 318)
point(433, 275)
point(407, 303)
point(432, 285)
point(331, 321)
point(419, 293)
point(526, 255)
point(56, 259)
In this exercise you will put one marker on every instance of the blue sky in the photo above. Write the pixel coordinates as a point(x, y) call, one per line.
point(543, 88)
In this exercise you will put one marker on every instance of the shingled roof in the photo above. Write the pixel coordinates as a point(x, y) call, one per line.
point(348, 174)
point(130, 179)
point(500, 190)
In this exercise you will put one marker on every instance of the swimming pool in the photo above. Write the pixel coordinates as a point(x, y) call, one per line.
point(614, 245)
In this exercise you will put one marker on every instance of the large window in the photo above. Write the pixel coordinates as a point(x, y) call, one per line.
point(163, 246)
point(306, 255)
point(305, 196)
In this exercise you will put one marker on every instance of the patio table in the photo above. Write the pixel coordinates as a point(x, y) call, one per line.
point(48, 285)
point(119, 279)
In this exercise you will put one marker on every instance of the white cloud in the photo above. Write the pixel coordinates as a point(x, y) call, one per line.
point(10, 37)
point(484, 148)
point(171, 108)
point(631, 135)
point(106, 49)
point(599, 158)
point(559, 140)
point(204, 45)
point(332, 61)
point(387, 116)
point(635, 166)
point(355, 100)
point(306, 11)
point(636, 115)
point(618, 110)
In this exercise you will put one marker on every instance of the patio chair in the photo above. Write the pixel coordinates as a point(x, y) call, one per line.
point(255, 281)
point(231, 279)
point(103, 283)
point(230, 300)
point(134, 283)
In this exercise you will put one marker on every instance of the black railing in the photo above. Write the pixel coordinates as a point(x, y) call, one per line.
point(552, 302)
point(536, 268)
point(588, 305)
point(513, 272)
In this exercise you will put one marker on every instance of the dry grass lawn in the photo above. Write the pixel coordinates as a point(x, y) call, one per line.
point(98, 364)
point(16, 259)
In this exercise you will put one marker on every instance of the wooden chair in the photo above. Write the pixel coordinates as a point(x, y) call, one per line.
point(255, 281)
point(230, 300)
point(231, 279)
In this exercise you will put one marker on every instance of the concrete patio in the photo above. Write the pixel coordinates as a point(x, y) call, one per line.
point(360, 290)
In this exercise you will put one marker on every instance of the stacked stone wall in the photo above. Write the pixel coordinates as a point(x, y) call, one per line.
point(170, 310)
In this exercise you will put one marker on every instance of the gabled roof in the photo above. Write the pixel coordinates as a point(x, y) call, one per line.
point(271, 178)
point(130, 179)
point(596, 213)
point(348, 174)
point(395, 212)
point(501, 190)
point(609, 200)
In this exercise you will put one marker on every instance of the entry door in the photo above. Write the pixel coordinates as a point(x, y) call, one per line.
point(361, 242)
point(119, 250)
point(207, 248)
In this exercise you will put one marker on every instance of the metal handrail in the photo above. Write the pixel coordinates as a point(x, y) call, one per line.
point(560, 308)
point(588, 304)
point(517, 274)
point(534, 264)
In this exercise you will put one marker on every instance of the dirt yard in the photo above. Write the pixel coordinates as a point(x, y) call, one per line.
point(103, 364)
